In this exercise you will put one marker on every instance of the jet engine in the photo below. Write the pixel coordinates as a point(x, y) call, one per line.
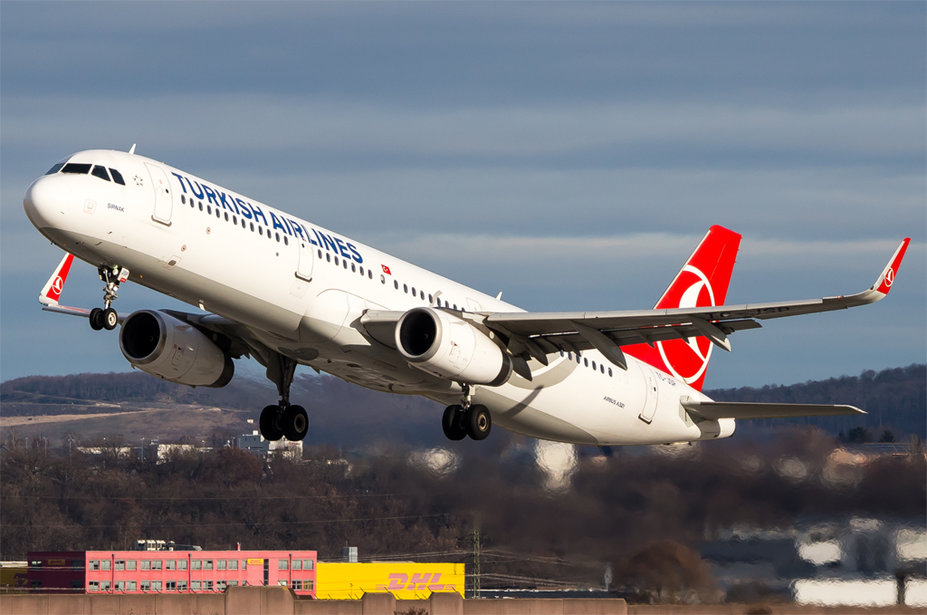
point(163, 346)
point(444, 345)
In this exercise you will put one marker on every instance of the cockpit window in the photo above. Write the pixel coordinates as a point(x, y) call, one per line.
point(117, 177)
point(100, 172)
point(78, 168)
point(55, 168)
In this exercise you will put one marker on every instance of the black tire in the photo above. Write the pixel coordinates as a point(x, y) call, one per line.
point(295, 423)
point(270, 423)
point(452, 424)
point(96, 319)
point(479, 422)
point(110, 319)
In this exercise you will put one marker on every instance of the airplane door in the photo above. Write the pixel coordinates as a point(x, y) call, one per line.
point(163, 200)
point(650, 396)
point(304, 264)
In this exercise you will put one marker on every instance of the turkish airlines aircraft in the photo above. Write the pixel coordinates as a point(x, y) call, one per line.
point(286, 292)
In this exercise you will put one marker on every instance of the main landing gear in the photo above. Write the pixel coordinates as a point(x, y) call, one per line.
point(462, 420)
point(283, 419)
point(106, 317)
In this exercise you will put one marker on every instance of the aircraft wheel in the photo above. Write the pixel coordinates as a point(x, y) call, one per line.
point(479, 422)
point(96, 319)
point(295, 423)
point(270, 423)
point(110, 319)
point(452, 424)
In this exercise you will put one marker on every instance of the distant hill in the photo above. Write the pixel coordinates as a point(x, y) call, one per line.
point(896, 400)
point(135, 405)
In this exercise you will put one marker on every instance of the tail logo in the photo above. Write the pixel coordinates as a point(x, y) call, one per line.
point(687, 359)
point(57, 286)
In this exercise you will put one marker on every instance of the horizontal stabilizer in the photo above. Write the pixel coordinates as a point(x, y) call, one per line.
point(760, 410)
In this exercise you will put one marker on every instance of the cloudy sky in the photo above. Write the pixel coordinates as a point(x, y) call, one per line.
point(568, 154)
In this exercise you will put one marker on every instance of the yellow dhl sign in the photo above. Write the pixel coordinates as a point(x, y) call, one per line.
point(339, 581)
point(255, 561)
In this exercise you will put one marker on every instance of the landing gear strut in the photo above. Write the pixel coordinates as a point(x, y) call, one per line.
point(107, 318)
point(283, 419)
point(462, 420)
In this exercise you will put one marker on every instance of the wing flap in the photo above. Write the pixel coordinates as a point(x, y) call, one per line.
point(760, 410)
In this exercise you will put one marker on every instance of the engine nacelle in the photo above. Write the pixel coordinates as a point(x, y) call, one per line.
point(163, 346)
point(446, 346)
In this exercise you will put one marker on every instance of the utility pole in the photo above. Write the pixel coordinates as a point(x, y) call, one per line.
point(477, 547)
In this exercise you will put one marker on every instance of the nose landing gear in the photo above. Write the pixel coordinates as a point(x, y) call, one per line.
point(107, 318)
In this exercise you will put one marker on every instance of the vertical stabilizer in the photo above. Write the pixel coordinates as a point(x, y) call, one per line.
point(701, 282)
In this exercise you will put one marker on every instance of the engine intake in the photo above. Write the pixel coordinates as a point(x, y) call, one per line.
point(163, 346)
point(444, 345)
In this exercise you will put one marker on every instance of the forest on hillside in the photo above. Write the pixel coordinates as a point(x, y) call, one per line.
point(348, 416)
point(641, 512)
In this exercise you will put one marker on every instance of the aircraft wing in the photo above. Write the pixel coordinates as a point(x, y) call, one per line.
point(538, 334)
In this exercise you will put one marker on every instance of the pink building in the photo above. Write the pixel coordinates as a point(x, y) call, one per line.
point(135, 572)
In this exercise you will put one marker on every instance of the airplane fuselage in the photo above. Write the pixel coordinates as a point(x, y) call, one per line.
point(301, 291)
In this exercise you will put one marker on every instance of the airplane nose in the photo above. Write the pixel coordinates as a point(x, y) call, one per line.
point(41, 202)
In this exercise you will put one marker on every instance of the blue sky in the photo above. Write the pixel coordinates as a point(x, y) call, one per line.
point(568, 154)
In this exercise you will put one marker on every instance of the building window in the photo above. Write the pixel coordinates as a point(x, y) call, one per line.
point(156, 586)
point(156, 564)
point(120, 564)
point(145, 586)
point(195, 586)
point(308, 584)
point(197, 564)
point(120, 586)
point(181, 586)
point(233, 564)
point(296, 584)
point(171, 586)
point(146, 564)
point(220, 564)
point(283, 564)
point(94, 564)
point(220, 586)
point(297, 564)
point(207, 585)
point(104, 586)
point(281, 583)
point(130, 564)
point(181, 564)
point(208, 565)
point(93, 586)
point(307, 564)
point(131, 586)
point(170, 564)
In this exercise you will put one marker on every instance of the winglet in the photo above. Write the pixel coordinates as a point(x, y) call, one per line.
point(51, 292)
point(884, 283)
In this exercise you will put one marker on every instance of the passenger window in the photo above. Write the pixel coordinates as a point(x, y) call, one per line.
point(78, 168)
point(286, 241)
point(117, 177)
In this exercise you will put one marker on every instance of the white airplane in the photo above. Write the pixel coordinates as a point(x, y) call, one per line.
point(286, 292)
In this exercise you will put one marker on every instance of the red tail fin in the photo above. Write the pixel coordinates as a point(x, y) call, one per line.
point(701, 282)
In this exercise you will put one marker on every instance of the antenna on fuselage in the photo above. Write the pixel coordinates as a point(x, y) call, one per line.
point(132, 149)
